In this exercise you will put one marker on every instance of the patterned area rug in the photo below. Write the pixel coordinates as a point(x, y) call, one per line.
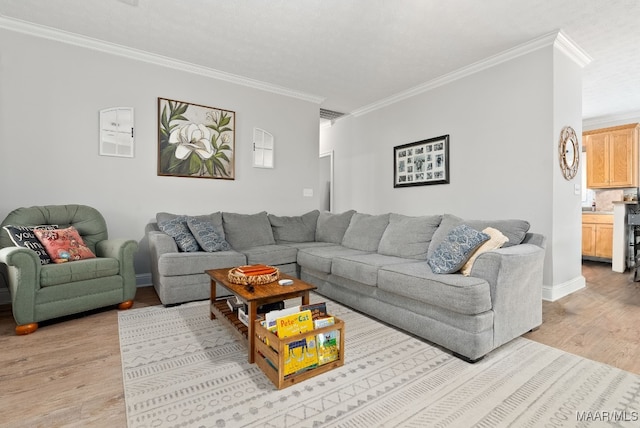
point(182, 369)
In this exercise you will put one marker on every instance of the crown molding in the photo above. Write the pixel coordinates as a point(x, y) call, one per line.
point(570, 49)
point(610, 120)
point(42, 31)
point(541, 42)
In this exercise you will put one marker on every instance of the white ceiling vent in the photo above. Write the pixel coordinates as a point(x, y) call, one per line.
point(329, 114)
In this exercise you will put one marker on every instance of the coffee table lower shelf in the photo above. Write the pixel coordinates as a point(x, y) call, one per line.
point(220, 309)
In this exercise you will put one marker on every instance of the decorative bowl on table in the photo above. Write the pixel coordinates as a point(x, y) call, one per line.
point(253, 274)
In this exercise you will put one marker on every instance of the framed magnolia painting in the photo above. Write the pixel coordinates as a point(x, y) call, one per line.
point(195, 140)
point(421, 163)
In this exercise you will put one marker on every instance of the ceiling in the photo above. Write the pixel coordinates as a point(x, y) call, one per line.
point(350, 54)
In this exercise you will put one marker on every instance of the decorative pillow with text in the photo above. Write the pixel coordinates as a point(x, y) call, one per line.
point(23, 236)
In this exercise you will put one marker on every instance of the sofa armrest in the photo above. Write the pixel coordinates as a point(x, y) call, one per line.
point(122, 250)
point(23, 280)
point(160, 243)
point(514, 275)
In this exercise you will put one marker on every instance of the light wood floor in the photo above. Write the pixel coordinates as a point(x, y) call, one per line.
point(68, 373)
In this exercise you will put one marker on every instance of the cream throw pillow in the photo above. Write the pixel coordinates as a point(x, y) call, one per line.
point(496, 240)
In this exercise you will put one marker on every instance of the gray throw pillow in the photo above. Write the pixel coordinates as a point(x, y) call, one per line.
point(244, 231)
point(513, 229)
point(456, 249)
point(295, 229)
point(364, 231)
point(408, 237)
point(331, 227)
point(177, 229)
point(210, 236)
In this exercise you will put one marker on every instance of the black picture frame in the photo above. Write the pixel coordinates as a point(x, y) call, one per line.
point(421, 163)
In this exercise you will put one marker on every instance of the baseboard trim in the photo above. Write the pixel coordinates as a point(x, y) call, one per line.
point(554, 292)
point(144, 280)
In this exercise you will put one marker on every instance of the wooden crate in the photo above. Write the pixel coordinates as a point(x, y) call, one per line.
point(275, 353)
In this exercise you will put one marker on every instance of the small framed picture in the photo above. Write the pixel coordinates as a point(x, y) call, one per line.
point(421, 163)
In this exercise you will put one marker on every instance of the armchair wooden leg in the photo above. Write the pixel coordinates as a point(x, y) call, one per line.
point(21, 330)
point(125, 305)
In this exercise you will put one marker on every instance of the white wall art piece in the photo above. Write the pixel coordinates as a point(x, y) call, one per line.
point(116, 132)
point(263, 149)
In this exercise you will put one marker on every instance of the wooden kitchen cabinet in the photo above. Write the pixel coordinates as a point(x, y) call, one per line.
point(597, 235)
point(612, 156)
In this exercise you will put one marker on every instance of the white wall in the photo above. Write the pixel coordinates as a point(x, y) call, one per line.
point(51, 93)
point(564, 249)
point(503, 152)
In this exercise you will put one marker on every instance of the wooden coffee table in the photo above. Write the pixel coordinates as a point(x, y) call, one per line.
point(261, 295)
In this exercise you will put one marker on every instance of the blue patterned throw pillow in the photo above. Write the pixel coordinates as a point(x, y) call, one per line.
point(456, 249)
point(177, 229)
point(210, 237)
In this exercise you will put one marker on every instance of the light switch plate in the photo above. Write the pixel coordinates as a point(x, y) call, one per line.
point(307, 193)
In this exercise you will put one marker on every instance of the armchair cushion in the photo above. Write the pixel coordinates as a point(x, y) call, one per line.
point(81, 270)
point(63, 245)
point(87, 221)
point(23, 236)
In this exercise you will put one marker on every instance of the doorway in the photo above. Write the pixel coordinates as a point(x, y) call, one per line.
point(326, 181)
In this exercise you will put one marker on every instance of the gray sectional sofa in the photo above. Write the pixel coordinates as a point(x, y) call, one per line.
point(382, 265)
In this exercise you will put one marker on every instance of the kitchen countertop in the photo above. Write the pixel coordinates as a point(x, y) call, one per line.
point(597, 212)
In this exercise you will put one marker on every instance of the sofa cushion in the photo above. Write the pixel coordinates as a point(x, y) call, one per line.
point(23, 236)
point(319, 258)
point(408, 237)
point(176, 264)
point(215, 218)
point(331, 227)
point(177, 228)
point(210, 236)
point(81, 270)
point(496, 240)
point(244, 231)
point(456, 249)
point(415, 280)
point(271, 254)
point(63, 245)
point(362, 268)
point(294, 229)
point(364, 231)
point(513, 229)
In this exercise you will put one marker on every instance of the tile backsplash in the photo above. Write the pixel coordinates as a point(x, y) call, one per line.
point(605, 197)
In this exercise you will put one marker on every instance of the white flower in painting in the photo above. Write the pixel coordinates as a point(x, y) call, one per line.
point(192, 138)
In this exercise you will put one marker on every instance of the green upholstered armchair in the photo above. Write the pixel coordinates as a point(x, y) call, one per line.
point(41, 292)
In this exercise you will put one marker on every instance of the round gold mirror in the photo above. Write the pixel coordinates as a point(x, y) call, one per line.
point(569, 152)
